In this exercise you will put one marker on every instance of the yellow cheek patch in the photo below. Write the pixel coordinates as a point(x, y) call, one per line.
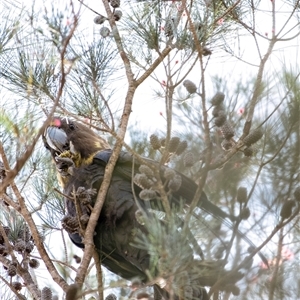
point(89, 160)
point(66, 153)
point(98, 144)
point(77, 159)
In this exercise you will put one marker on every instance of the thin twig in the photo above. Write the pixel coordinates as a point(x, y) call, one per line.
point(99, 275)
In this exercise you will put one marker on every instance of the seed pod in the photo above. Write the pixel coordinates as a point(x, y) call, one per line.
point(190, 86)
point(111, 297)
point(218, 109)
point(115, 3)
point(142, 181)
point(242, 194)
point(287, 209)
point(220, 119)
point(34, 263)
point(20, 246)
point(147, 195)
point(84, 195)
point(104, 32)
point(146, 170)
point(100, 19)
point(206, 51)
point(169, 27)
point(155, 142)
point(169, 174)
point(188, 159)
point(227, 131)
point(77, 259)
point(245, 213)
point(17, 285)
point(46, 294)
point(29, 247)
point(297, 194)
point(253, 137)
point(175, 183)
point(181, 147)
point(248, 152)
point(117, 15)
point(12, 270)
point(24, 234)
point(173, 144)
point(217, 99)
point(70, 224)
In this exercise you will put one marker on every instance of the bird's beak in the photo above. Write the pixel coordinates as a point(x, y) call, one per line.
point(56, 139)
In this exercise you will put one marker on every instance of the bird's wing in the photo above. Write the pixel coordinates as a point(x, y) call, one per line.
point(126, 166)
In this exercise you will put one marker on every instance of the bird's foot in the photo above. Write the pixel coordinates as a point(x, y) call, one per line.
point(64, 165)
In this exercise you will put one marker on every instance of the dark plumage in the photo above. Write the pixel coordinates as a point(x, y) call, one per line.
point(81, 157)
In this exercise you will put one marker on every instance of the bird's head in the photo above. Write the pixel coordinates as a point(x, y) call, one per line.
point(66, 138)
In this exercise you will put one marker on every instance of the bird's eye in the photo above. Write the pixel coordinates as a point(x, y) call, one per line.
point(71, 126)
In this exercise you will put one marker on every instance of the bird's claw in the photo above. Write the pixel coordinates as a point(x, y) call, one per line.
point(64, 165)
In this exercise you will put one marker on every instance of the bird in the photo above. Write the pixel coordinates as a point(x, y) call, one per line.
point(81, 156)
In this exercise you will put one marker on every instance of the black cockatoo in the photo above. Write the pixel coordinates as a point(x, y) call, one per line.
point(81, 156)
